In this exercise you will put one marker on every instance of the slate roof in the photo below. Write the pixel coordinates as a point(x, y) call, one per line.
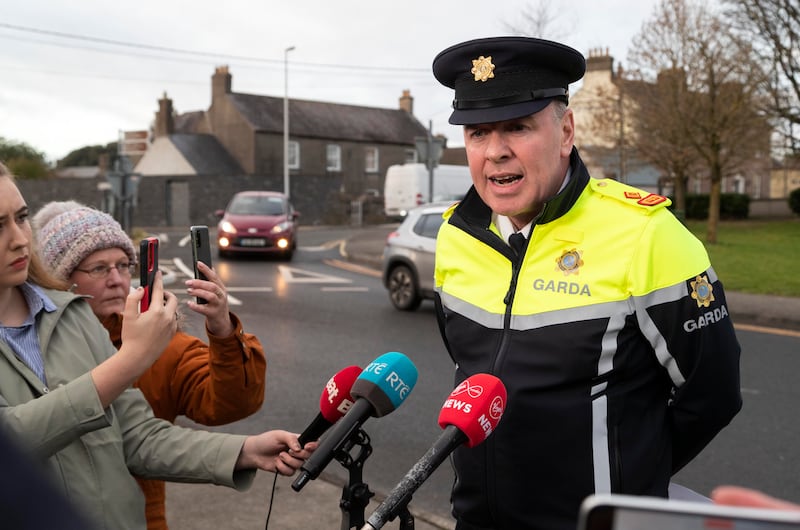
point(317, 119)
point(191, 122)
point(205, 154)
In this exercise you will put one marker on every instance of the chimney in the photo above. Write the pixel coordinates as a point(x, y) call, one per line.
point(165, 120)
point(220, 83)
point(599, 60)
point(407, 102)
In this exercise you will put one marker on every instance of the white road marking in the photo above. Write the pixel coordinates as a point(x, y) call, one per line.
point(344, 289)
point(293, 275)
point(327, 246)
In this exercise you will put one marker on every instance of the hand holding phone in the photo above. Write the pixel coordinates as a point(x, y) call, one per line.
point(148, 266)
point(201, 251)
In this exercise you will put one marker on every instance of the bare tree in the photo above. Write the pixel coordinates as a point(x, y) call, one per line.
point(539, 19)
point(774, 28)
point(709, 99)
point(659, 130)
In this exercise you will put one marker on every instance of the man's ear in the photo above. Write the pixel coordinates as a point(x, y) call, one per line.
point(567, 133)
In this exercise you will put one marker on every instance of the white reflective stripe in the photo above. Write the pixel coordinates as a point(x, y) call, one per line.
point(649, 329)
point(605, 364)
point(609, 343)
point(607, 310)
point(602, 466)
point(470, 311)
point(616, 311)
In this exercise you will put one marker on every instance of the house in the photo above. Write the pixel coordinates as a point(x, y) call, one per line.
point(336, 151)
point(604, 119)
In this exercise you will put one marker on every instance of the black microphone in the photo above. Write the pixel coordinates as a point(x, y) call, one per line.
point(469, 415)
point(334, 402)
point(380, 388)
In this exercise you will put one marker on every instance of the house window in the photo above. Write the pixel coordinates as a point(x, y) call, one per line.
point(334, 158)
point(371, 160)
point(411, 156)
point(294, 155)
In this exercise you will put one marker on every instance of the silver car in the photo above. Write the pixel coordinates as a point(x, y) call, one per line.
point(408, 256)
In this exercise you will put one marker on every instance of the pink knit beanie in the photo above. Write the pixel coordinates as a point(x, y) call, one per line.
point(68, 232)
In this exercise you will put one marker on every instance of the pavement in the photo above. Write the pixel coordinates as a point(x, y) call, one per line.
point(317, 506)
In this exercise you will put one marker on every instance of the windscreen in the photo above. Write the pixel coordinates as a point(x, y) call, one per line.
point(255, 205)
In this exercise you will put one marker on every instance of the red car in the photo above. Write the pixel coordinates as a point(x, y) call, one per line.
point(257, 222)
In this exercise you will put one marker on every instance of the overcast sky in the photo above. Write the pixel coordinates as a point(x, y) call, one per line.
point(77, 73)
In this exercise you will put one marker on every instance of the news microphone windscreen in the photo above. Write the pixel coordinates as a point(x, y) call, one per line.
point(336, 397)
point(386, 382)
point(475, 406)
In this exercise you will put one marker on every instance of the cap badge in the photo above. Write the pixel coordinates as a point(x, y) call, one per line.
point(570, 262)
point(482, 68)
point(702, 291)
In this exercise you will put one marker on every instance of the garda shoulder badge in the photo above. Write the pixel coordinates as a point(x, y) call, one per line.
point(702, 291)
point(629, 194)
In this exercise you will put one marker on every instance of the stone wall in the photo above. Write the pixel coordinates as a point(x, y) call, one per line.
point(316, 198)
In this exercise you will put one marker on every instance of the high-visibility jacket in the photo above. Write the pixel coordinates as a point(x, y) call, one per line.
point(610, 331)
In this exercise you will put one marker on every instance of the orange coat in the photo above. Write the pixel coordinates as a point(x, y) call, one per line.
point(211, 384)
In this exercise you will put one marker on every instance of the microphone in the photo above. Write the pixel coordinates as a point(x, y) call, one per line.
point(380, 388)
point(333, 403)
point(468, 416)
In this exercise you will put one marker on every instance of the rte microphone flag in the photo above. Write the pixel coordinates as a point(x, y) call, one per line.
point(380, 388)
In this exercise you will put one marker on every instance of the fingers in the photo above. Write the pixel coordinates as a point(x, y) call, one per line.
point(286, 464)
point(158, 288)
point(205, 269)
point(170, 302)
point(737, 496)
point(212, 290)
point(132, 302)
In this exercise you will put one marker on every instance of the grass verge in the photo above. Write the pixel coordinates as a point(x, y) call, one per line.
point(755, 256)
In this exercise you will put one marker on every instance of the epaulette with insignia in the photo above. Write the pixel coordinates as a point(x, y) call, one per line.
point(629, 194)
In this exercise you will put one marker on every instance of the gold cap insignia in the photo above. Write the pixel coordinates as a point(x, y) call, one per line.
point(702, 291)
point(570, 262)
point(482, 68)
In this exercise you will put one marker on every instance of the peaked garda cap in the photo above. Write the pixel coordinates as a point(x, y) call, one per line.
point(503, 78)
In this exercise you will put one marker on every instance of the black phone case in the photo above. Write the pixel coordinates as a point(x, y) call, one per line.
point(148, 265)
point(201, 251)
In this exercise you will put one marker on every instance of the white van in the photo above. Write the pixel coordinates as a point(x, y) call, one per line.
point(406, 186)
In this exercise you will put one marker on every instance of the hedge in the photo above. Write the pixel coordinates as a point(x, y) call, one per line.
point(732, 206)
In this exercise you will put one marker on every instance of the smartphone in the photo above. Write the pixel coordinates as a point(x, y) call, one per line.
point(201, 251)
point(148, 266)
point(628, 512)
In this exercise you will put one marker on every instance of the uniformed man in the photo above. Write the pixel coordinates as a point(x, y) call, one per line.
point(594, 305)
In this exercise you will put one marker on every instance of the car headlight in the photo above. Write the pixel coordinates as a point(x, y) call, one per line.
point(227, 226)
point(281, 227)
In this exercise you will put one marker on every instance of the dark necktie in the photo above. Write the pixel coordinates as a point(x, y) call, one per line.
point(517, 243)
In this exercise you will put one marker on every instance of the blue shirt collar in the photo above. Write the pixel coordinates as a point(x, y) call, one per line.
point(36, 299)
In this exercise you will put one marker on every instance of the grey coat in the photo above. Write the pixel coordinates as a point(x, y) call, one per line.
point(91, 452)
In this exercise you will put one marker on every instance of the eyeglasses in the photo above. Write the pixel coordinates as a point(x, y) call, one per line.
point(102, 271)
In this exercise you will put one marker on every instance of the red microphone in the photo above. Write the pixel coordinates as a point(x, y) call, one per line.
point(334, 403)
point(469, 415)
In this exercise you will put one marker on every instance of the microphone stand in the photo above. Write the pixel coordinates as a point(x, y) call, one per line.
point(356, 494)
point(405, 518)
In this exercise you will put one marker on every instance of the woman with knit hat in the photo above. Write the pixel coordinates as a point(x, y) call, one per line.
point(66, 396)
point(211, 384)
